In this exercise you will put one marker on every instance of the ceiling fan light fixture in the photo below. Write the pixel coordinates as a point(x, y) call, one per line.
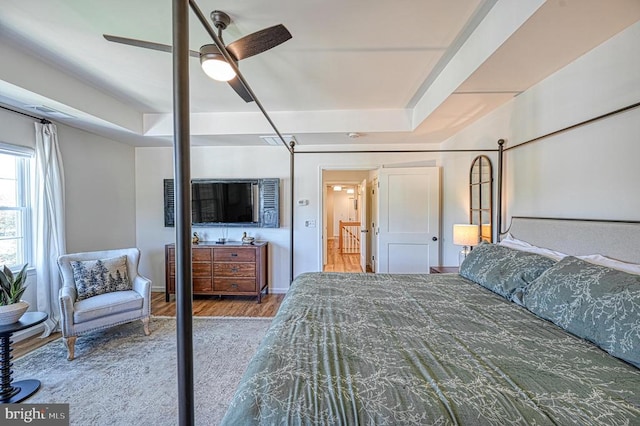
point(214, 64)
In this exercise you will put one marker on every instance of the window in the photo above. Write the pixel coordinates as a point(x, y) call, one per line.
point(15, 206)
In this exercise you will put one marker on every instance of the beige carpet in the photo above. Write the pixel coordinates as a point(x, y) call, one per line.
point(121, 377)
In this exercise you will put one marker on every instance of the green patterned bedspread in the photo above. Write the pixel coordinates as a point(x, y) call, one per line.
point(377, 349)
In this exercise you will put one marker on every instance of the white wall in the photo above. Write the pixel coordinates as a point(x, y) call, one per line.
point(100, 191)
point(588, 172)
point(153, 165)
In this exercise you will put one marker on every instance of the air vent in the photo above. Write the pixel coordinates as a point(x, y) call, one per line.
point(49, 112)
point(275, 139)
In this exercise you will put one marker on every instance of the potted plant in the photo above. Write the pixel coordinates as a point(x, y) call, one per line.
point(12, 287)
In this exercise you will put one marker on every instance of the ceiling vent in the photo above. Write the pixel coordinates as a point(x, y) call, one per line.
point(49, 112)
point(275, 139)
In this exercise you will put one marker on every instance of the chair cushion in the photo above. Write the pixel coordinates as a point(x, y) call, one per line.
point(106, 305)
point(95, 277)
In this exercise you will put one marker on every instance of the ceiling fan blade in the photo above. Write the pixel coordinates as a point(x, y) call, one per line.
point(259, 41)
point(237, 85)
point(145, 44)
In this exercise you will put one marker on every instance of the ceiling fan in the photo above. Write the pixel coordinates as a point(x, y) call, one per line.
point(212, 60)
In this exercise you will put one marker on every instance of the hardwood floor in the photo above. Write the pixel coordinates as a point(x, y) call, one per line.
point(338, 262)
point(227, 306)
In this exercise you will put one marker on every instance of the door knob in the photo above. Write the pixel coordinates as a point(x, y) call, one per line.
point(435, 238)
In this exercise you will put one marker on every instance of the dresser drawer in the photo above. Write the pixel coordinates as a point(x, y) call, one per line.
point(201, 269)
point(201, 254)
point(234, 255)
point(197, 255)
point(234, 285)
point(232, 269)
point(198, 270)
point(199, 285)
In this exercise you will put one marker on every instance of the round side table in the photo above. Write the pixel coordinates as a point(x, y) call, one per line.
point(19, 391)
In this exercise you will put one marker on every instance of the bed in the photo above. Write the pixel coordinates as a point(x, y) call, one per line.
point(520, 336)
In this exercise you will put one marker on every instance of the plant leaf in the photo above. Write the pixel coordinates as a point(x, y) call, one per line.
point(8, 273)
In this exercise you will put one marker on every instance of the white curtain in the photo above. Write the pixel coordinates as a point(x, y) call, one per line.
point(49, 221)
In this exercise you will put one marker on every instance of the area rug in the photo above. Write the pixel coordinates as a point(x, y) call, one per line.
point(122, 377)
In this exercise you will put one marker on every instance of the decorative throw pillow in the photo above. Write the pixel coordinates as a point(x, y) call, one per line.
point(592, 301)
point(504, 270)
point(94, 277)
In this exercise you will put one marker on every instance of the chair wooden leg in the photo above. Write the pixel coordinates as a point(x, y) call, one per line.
point(70, 343)
point(145, 322)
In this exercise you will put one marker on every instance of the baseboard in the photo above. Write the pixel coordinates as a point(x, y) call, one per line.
point(29, 332)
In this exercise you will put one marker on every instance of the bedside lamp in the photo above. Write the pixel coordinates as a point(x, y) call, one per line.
point(466, 236)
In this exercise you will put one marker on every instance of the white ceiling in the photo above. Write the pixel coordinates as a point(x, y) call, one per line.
point(397, 73)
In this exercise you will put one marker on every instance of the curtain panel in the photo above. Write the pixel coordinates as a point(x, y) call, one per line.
point(49, 218)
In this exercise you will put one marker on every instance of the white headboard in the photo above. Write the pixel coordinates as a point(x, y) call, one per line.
point(616, 239)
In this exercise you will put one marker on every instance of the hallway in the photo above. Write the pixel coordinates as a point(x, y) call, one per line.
point(337, 262)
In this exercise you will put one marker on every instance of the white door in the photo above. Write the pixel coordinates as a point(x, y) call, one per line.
point(364, 236)
point(409, 219)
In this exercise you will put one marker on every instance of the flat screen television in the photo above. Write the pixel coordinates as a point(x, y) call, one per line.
point(228, 202)
point(223, 202)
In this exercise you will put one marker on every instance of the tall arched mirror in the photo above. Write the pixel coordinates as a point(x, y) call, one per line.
point(481, 195)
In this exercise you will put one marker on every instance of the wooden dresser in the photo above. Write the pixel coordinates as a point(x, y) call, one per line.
point(232, 269)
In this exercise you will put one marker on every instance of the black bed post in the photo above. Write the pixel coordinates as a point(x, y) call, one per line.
point(499, 201)
point(182, 173)
point(292, 144)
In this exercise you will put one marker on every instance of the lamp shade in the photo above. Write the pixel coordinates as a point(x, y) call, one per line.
point(214, 64)
point(465, 235)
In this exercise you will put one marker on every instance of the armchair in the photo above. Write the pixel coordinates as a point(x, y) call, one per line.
point(103, 310)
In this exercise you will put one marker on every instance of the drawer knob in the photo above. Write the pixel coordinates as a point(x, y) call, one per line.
point(234, 254)
point(234, 269)
point(234, 285)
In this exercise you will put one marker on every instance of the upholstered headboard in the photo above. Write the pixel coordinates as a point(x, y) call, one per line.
point(615, 239)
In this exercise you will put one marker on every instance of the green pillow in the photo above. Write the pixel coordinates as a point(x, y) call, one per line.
point(594, 302)
point(504, 270)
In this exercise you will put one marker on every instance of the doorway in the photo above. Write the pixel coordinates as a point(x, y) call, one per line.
point(397, 211)
point(345, 221)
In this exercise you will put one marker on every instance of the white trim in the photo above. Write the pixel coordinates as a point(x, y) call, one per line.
point(16, 150)
point(21, 335)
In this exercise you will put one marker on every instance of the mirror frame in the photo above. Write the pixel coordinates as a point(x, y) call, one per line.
point(481, 206)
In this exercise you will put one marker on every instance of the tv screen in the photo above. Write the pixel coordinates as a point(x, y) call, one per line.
point(223, 202)
point(228, 202)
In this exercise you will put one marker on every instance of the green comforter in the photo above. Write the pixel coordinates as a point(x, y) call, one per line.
point(424, 349)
